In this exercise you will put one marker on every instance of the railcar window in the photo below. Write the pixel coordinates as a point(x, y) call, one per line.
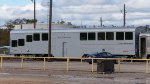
point(36, 37)
point(91, 36)
point(29, 38)
point(101, 35)
point(44, 36)
point(128, 36)
point(21, 42)
point(14, 43)
point(119, 35)
point(109, 36)
point(83, 36)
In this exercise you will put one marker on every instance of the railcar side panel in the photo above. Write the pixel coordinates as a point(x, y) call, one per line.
point(71, 44)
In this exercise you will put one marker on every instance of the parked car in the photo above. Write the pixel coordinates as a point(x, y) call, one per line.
point(97, 55)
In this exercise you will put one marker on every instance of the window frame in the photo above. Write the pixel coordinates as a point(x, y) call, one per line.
point(84, 38)
point(91, 37)
point(35, 37)
point(99, 34)
point(29, 38)
point(128, 36)
point(108, 38)
point(43, 37)
point(119, 37)
point(12, 43)
point(21, 42)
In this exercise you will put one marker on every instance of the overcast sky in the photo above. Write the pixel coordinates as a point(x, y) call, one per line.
point(79, 11)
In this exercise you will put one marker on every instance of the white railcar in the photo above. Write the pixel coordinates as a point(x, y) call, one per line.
point(144, 44)
point(74, 42)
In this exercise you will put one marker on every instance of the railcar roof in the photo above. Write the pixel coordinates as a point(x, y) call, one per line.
point(73, 30)
point(145, 34)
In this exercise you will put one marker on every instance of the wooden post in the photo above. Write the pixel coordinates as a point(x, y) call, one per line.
point(146, 67)
point(4, 52)
point(81, 60)
point(1, 62)
point(92, 65)
point(119, 65)
point(21, 62)
point(44, 64)
point(67, 64)
point(131, 60)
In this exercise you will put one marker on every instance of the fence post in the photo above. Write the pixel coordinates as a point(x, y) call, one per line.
point(1, 62)
point(44, 64)
point(67, 64)
point(4, 52)
point(131, 59)
point(92, 65)
point(22, 62)
point(146, 67)
point(119, 65)
point(81, 60)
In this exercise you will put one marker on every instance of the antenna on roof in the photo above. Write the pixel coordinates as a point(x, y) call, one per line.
point(101, 21)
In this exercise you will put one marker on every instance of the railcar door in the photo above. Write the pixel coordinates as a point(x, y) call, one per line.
point(143, 47)
point(64, 49)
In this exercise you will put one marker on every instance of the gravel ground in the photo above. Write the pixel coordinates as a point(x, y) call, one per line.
point(72, 78)
point(79, 73)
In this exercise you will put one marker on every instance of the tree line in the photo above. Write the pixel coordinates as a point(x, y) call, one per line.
point(11, 23)
point(4, 37)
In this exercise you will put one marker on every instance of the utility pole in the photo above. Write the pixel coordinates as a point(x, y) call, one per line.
point(50, 28)
point(124, 16)
point(34, 2)
point(101, 21)
point(34, 14)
